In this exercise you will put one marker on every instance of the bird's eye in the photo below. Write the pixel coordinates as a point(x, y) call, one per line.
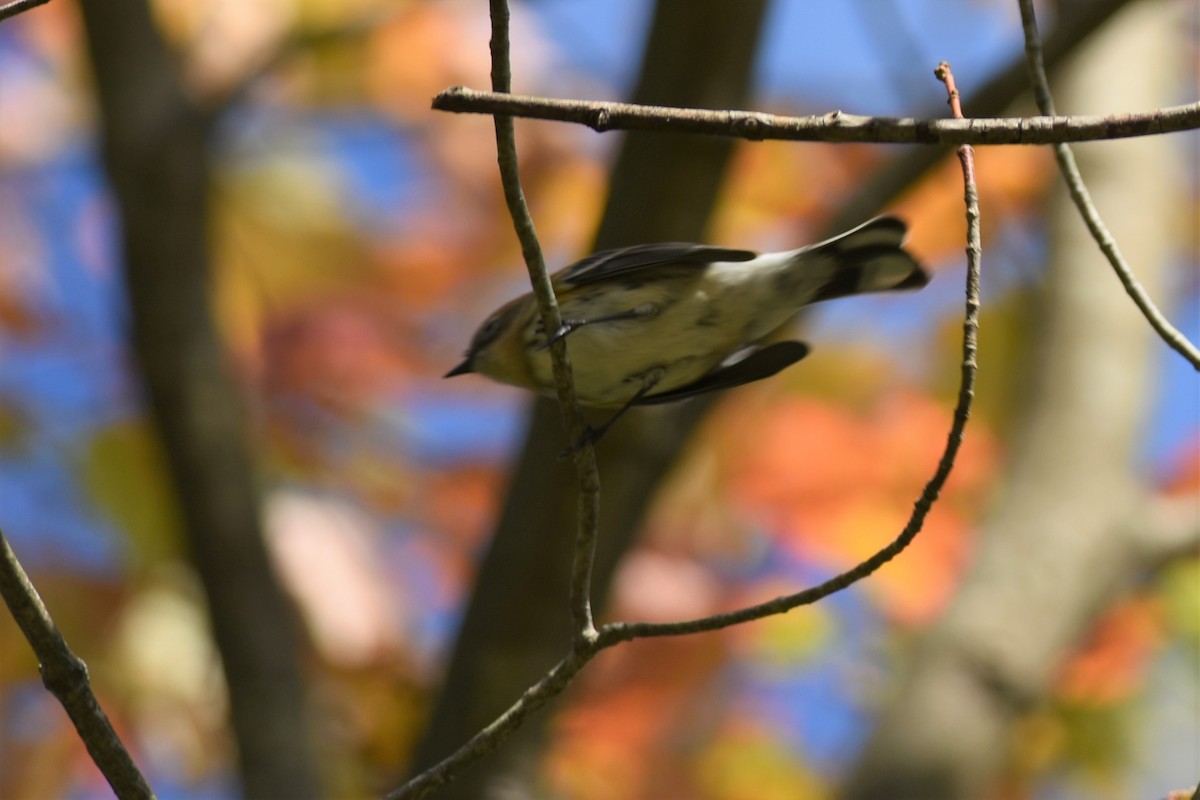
point(488, 331)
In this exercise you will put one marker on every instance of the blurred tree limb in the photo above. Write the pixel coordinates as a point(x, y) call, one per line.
point(587, 642)
point(1071, 530)
point(156, 150)
point(8, 10)
point(66, 676)
point(663, 187)
point(63, 673)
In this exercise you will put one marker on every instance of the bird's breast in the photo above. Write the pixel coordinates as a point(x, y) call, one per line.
point(695, 325)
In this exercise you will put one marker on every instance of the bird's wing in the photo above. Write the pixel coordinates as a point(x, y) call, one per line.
point(761, 363)
point(628, 261)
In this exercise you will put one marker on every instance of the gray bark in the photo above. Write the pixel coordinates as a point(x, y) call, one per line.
point(156, 152)
point(516, 626)
point(1061, 542)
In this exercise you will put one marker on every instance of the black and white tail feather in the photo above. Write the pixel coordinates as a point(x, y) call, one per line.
point(867, 259)
point(658, 323)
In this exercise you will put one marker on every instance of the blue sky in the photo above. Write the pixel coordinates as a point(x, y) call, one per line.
point(830, 53)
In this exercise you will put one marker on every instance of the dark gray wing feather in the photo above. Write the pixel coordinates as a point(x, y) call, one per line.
point(624, 261)
point(761, 363)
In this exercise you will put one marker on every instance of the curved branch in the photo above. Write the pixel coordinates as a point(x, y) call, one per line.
point(586, 648)
point(1083, 201)
point(835, 126)
point(624, 631)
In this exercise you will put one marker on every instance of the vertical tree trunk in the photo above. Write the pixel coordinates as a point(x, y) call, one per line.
point(1060, 544)
point(156, 150)
point(699, 53)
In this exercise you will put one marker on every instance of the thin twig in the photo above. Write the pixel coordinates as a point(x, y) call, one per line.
point(609, 635)
point(482, 743)
point(564, 382)
point(19, 6)
point(66, 676)
point(624, 631)
point(988, 100)
point(1083, 201)
point(835, 126)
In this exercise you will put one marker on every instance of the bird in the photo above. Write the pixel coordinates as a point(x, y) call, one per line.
point(658, 323)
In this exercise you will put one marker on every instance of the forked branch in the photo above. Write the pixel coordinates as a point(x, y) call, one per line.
point(586, 647)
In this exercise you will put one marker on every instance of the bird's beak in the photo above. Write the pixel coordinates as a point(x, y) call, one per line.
point(461, 369)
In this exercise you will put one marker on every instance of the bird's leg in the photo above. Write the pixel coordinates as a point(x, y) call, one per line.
point(643, 311)
point(591, 435)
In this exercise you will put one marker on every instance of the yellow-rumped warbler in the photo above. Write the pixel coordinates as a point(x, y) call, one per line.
point(655, 323)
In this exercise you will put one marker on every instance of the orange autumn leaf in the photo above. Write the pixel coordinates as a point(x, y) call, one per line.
point(806, 451)
point(1016, 178)
point(1111, 663)
point(1184, 473)
point(420, 51)
point(460, 504)
point(17, 319)
point(338, 353)
point(835, 486)
point(632, 701)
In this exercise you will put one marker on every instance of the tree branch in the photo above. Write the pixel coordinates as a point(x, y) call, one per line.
point(557, 679)
point(19, 6)
point(564, 381)
point(990, 99)
point(482, 743)
point(1083, 201)
point(157, 148)
point(835, 126)
point(660, 188)
point(66, 676)
point(586, 648)
point(1061, 536)
point(624, 631)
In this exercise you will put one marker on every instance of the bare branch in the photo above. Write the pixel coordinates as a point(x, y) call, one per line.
point(586, 648)
point(835, 126)
point(18, 6)
point(990, 99)
point(1083, 201)
point(66, 676)
point(158, 156)
point(482, 743)
point(624, 631)
point(564, 382)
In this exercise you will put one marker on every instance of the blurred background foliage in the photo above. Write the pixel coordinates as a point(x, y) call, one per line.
point(357, 239)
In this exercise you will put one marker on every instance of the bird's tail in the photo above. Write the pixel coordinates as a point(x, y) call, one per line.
point(869, 258)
